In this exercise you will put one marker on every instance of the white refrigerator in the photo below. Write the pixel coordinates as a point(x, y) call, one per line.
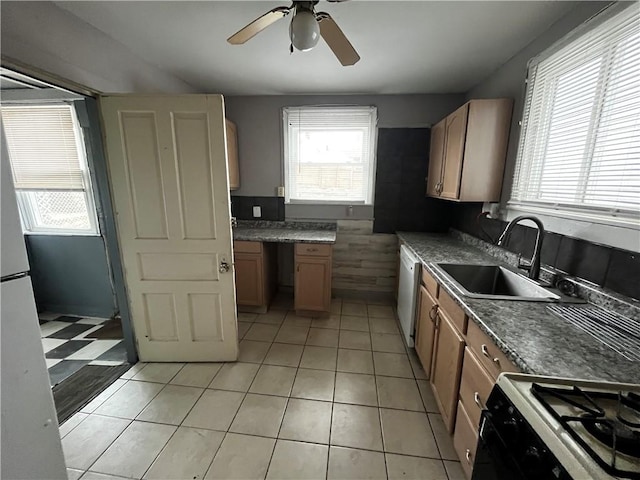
point(30, 440)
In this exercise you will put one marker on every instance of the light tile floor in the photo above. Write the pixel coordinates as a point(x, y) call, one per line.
point(325, 398)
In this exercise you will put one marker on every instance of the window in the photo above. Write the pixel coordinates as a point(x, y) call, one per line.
point(49, 169)
point(579, 151)
point(329, 154)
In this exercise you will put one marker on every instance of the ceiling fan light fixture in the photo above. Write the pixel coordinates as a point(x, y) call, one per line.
point(304, 30)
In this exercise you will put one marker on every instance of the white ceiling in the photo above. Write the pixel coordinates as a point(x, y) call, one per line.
point(406, 46)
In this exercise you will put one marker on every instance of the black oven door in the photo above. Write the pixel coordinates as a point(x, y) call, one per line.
point(493, 457)
point(508, 449)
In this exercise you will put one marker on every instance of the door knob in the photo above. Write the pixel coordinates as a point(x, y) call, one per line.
point(224, 267)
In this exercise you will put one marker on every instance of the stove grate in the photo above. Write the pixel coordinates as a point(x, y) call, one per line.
point(619, 333)
point(593, 414)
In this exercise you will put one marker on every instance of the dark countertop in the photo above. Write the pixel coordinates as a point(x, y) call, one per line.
point(285, 232)
point(537, 341)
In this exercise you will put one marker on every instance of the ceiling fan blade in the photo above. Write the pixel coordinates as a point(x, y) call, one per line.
point(336, 40)
point(259, 24)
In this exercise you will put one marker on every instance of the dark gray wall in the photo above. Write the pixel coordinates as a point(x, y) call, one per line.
point(70, 274)
point(259, 121)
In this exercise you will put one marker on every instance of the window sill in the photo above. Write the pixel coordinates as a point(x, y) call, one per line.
point(618, 234)
point(63, 234)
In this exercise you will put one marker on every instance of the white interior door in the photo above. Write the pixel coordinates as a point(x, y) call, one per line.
point(168, 174)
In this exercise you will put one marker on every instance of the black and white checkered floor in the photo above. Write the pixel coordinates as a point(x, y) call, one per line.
point(67, 348)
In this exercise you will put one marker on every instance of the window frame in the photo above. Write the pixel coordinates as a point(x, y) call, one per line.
point(26, 204)
point(371, 164)
point(589, 214)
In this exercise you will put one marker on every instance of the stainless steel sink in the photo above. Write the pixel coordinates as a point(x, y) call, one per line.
point(494, 282)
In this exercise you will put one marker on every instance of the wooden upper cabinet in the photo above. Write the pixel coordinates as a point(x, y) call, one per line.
point(436, 156)
point(468, 149)
point(455, 133)
point(232, 155)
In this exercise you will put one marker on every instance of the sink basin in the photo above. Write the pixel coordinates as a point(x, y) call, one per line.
point(494, 282)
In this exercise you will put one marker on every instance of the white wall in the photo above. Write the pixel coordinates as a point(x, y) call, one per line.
point(259, 120)
point(41, 35)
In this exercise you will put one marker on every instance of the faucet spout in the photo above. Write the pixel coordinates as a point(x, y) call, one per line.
point(534, 266)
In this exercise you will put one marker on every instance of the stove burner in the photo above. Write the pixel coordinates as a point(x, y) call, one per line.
point(617, 430)
point(614, 434)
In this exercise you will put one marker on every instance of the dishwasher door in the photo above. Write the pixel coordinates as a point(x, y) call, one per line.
point(407, 293)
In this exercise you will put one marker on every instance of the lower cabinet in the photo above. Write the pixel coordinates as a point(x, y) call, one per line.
point(465, 439)
point(462, 362)
point(312, 284)
point(255, 270)
point(446, 367)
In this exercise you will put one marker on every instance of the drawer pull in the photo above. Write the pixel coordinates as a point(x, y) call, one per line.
point(467, 455)
point(433, 313)
point(485, 352)
point(476, 398)
point(496, 360)
point(312, 249)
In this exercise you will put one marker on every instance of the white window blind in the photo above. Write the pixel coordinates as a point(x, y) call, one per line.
point(43, 146)
point(49, 169)
point(329, 154)
point(579, 148)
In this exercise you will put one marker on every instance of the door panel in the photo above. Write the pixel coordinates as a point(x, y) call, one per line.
point(436, 157)
point(447, 368)
point(249, 280)
point(141, 156)
point(426, 330)
point(196, 183)
point(168, 172)
point(455, 136)
point(313, 276)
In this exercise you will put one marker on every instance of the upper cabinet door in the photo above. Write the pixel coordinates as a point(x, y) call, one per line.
point(436, 155)
point(167, 166)
point(232, 155)
point(456, 131)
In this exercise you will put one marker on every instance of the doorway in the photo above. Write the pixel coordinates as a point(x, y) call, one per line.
point(54, 146)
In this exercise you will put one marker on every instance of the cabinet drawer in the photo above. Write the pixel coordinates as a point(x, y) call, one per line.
point(313, 249)
point(430, 283)
point(465, 440)
point(489, 355)
point(242, 246)
point(453, 311)
point(475, 387)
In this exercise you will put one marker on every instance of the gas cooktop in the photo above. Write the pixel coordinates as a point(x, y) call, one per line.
point(605, 424)
point(592, 427)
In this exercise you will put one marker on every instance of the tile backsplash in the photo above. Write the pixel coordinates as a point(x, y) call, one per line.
point(272, 207)
point(401, 168)
point(612, 268)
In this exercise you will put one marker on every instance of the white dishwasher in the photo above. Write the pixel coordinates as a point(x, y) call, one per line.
point(408, 292)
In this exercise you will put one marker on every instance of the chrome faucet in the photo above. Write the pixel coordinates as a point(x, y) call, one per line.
point(534, 265)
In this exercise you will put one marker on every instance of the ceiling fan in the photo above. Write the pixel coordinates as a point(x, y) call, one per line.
point(304, 31)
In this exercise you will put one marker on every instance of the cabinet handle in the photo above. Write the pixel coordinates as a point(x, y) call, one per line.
point(312, 249)
point(437, 321)
point(485, 352)
point(433, 312)
point(476, 398)
point(496, 360)
point(467, 455)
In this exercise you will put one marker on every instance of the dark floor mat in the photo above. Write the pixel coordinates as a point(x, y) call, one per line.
point(111, 330)
point(83, 386)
